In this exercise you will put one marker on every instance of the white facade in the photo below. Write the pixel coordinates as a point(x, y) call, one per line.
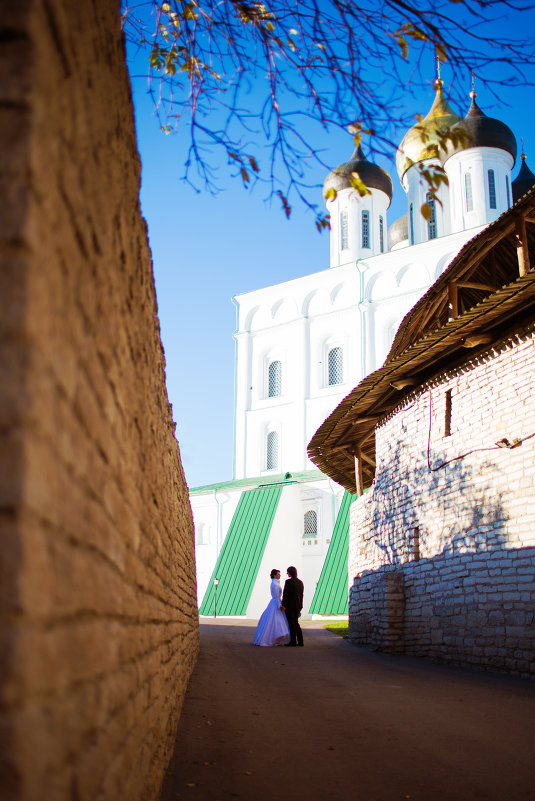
point(302, 345)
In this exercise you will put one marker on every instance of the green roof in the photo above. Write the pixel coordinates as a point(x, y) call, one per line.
point(261, 481)
point(239, 561)
point(331, 596)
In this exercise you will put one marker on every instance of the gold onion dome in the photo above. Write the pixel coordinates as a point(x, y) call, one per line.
point(483, 131)
point(421, 142)
point(370, 174)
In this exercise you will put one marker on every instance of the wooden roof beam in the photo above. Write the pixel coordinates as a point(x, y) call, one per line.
point(453, 300)
point(473, 285)
point(522, 250)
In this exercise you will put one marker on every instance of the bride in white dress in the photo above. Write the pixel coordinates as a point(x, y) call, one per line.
point(272, 627)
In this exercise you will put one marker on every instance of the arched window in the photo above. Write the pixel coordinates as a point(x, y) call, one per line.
point(492, 189)
point(335, 366)
point(344, 237)
point(381, 235)
point(468, 191)
point(508, 192)
point(310, 523)
point(411, 218)
point(201, 534)
point(432, 221)
point(275, 379)
point(272, 450)
point(365, 229)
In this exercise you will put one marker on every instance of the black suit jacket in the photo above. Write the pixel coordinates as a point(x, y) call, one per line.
point(292, 596)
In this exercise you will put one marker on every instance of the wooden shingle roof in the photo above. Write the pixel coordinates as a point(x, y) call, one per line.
point(486, 289)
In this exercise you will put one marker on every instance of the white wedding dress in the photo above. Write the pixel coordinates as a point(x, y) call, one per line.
point(272, 627)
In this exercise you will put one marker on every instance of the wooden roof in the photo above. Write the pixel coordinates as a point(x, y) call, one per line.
point(487, 289)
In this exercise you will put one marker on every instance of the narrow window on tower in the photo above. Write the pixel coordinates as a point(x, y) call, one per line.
point(432, 221)
point(492, 189)
point(335, 362)
point(508, 192)
point(272, 450)
point(365, 229)
point(381, 235)
point(468, 191)
point(411, 217)
point(274, 379)
point(344, 237)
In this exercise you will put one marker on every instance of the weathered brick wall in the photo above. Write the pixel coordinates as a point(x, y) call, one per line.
point(458, 534)
point(99, 629)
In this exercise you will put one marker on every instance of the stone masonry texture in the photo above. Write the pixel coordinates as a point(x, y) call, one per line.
point(442, 547)
point(99, 626)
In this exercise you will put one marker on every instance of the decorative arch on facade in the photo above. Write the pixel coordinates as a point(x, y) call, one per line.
point(258, 318)
point(381, 285)
point(282, 311)
point(342, 295)
point(443, 263)
point(316, 302)
point(412, 277)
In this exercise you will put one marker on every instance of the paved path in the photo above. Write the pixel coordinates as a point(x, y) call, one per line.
point(331, 721)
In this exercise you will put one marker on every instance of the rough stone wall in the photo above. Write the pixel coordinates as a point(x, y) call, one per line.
point(451, 519)
point(99, 630)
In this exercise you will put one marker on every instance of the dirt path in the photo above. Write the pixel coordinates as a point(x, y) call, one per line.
point(331, 721)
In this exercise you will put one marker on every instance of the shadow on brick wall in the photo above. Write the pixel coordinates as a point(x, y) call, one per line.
point(450, 577)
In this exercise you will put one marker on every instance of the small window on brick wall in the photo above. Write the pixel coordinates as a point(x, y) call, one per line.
point(415, 544)
point(447, 414)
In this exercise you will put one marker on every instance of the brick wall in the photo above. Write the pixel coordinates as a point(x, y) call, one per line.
point(442, 548)
point(99, 629)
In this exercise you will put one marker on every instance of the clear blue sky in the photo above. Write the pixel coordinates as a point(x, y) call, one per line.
point(206, 249)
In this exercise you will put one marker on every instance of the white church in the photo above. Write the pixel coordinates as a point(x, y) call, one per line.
point(304, 344)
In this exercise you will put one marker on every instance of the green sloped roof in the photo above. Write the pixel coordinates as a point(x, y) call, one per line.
point(239, 561)
point(260, 481)
point(331, 596)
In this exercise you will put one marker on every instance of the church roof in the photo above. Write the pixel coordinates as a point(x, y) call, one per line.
point(483, 131)
point(492, 299)
point(524, 181)
point(398, 231)
point(370, 174)
point(239, 561)
point(330, 596)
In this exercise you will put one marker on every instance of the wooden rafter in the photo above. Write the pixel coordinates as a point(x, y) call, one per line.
point(522, 246)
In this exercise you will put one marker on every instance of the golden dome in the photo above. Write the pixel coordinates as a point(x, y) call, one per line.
point(421, 141)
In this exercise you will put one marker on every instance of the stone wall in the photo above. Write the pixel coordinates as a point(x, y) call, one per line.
point(99, 630)
point(442, 548)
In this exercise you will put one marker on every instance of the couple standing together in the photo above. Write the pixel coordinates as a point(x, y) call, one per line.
point(279, 622)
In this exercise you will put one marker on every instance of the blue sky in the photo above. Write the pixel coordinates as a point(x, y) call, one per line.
point(207, 248)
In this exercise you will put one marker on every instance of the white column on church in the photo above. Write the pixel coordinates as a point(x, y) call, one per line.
point(242, 394)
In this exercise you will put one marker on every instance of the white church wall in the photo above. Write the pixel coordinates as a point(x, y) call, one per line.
point(296, 323)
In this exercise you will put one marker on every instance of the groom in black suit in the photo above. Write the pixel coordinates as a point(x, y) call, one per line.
point(292, 603)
